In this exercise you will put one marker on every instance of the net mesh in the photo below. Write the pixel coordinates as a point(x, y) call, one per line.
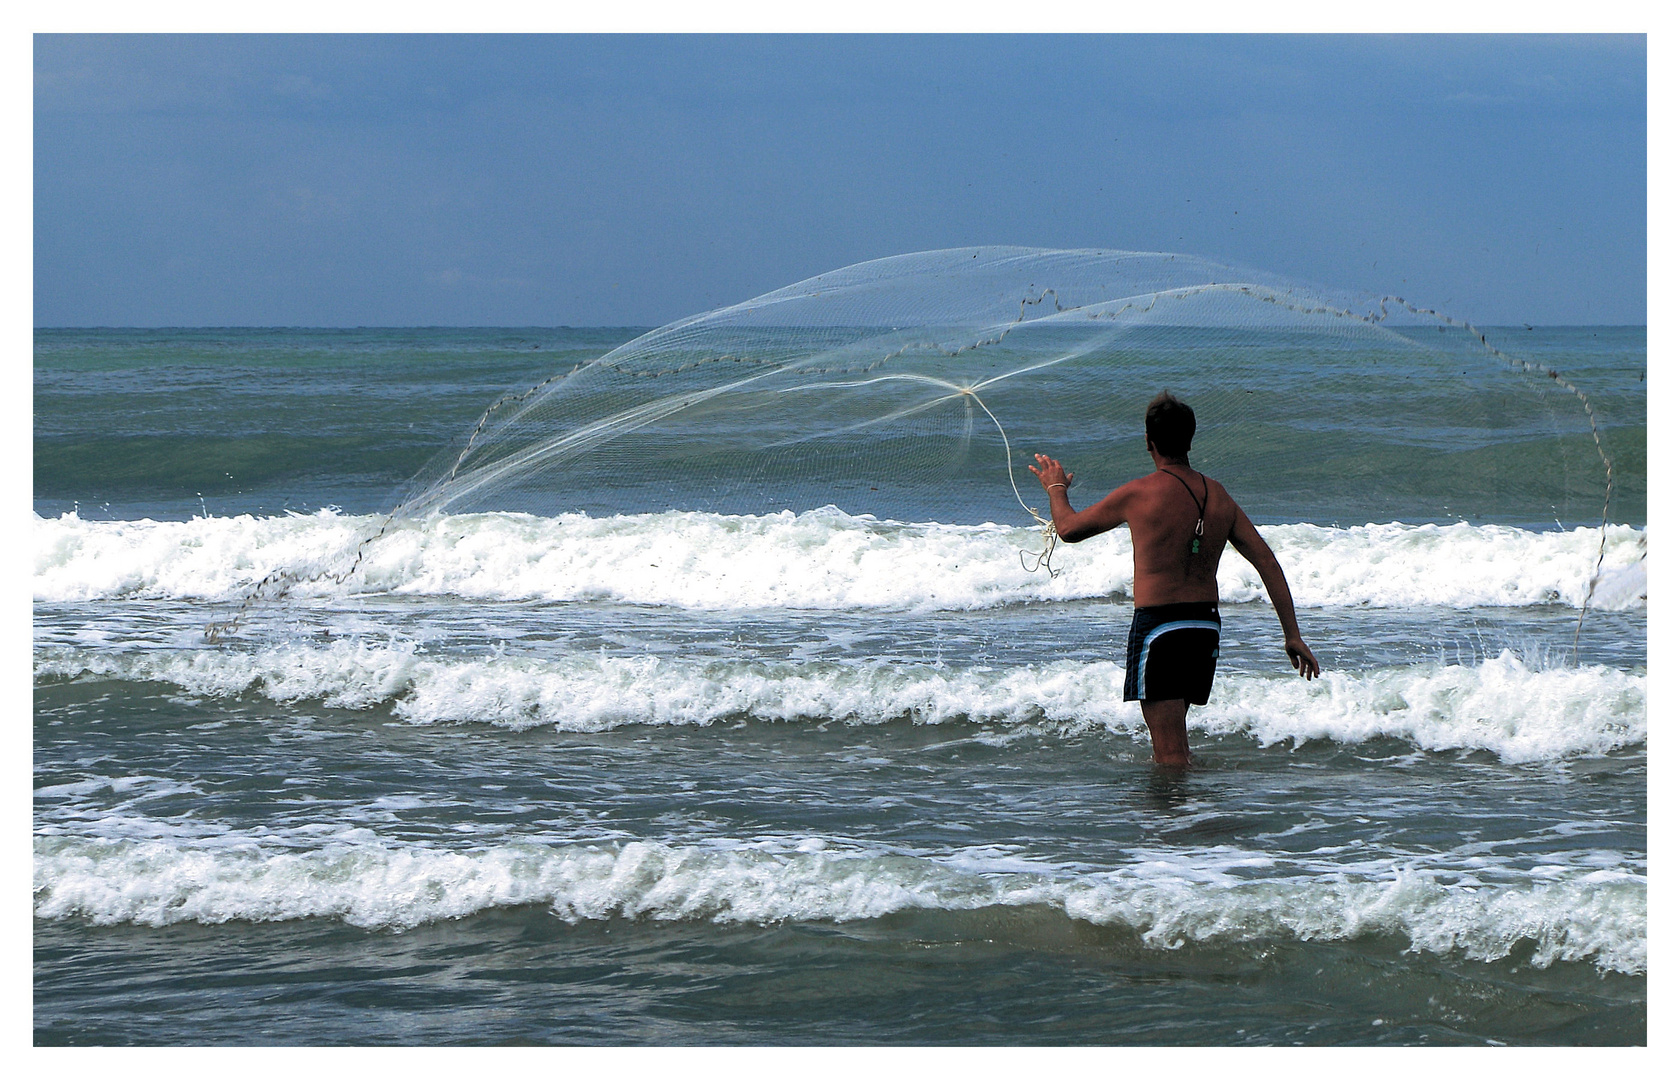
point(916, 388)
point(870, 387)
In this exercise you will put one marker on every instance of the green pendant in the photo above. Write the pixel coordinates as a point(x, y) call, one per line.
point(1195, 545)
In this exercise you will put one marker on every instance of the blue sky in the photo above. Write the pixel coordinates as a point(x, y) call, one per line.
point(584, 180)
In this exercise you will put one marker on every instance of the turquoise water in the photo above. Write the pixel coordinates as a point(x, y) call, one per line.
point(172, 423)
point(815, 777)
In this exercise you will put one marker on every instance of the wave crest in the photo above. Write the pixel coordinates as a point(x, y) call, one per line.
point(822, 559)
point(1500, 705)
point(1598, 916)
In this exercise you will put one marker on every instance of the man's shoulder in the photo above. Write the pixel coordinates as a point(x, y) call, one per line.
point(1218, 493)
point(1138, 486)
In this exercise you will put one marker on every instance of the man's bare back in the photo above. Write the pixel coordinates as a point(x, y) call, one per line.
point(1180, 521)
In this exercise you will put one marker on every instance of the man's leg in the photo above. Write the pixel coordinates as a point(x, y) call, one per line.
point(1165, 718)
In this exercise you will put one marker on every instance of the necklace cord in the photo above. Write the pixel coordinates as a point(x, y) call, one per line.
point(1201, 504)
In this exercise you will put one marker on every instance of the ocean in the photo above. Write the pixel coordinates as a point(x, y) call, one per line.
point(626, 774)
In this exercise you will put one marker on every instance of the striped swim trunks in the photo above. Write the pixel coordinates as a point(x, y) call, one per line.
point(1171, 652)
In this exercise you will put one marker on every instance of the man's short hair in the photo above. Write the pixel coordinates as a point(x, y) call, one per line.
point(1170, 425)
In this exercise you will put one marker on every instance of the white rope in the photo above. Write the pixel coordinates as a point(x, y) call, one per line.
point(1047, 529)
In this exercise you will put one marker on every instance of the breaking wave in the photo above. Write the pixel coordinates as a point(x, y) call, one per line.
point(822, 559)
point(1500, 704)
point(1589, 915)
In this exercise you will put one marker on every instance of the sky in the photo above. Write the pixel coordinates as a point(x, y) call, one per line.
point(579, 180)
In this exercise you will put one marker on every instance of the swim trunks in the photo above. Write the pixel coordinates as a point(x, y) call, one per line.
point(1171, 652)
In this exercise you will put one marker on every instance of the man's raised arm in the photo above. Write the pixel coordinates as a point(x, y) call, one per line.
point(1076, 525)
point(1253, 547)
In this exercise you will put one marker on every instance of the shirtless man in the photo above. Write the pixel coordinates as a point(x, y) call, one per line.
point(1180, 522)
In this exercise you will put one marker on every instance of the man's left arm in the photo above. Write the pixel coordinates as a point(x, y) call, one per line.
point(1251, 546)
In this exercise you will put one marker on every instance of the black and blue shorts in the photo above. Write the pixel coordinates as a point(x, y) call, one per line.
point(1171, 652)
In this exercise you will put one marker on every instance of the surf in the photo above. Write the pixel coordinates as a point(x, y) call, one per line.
point(1502, 705)
point(824, 559)
point(1229, 895)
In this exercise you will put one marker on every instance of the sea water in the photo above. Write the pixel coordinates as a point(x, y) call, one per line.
point(789, 777)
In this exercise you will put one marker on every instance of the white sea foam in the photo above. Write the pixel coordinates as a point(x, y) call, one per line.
point(1502, 705)
point(1597, 916)
point(1621, 588)
point(822, 559)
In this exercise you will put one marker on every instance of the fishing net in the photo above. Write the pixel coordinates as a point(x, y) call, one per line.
point(916, 388)
point(905, 387)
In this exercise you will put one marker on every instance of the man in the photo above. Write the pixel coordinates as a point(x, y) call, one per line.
point(1180, 523)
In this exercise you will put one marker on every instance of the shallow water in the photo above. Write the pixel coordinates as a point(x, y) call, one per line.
point(788, 786)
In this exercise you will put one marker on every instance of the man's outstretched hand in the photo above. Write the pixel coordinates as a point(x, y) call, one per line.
point(1050, 472)
point(1301, 658)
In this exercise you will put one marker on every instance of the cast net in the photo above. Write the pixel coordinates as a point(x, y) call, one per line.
point(916, 388)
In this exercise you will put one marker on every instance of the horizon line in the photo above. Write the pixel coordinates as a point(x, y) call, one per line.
point(597, 326)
